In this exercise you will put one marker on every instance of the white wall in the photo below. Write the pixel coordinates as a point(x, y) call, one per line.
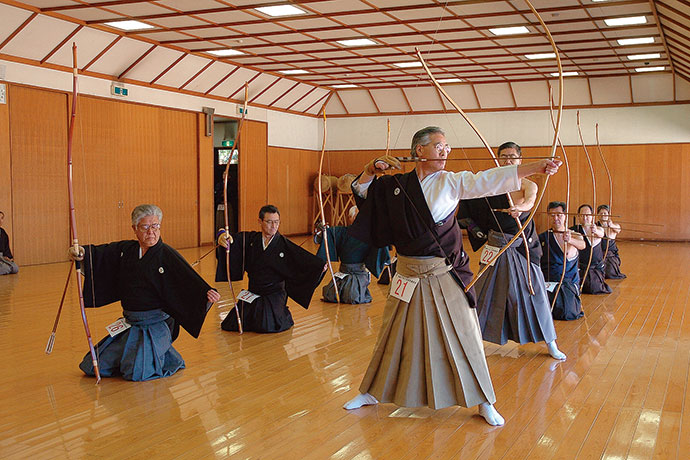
point(624, 125)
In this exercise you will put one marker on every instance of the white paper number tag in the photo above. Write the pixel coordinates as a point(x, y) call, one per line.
point(117, 327)
point(403, 287)
point(489, 254)
point(247, 296)
point(551, 285)
point(340, 275)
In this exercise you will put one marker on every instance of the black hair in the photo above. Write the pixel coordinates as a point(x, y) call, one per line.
point(510, 145)
point(268, 209)
point(556, 204)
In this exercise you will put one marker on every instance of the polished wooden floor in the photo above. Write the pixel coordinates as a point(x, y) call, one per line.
point(622, 393)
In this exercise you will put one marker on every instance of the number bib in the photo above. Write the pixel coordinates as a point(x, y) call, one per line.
point(489, 254)
point(247, 296)
point(118, 326)
point(340, 275)
point(403, 287)
point(551, 285)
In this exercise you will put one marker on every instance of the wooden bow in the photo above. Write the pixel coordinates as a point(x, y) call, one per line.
point(73, 225)
point(553, 146)
point(567, 204)
point(323, 213)
point(594, 197)
point(235, 145)
point(608, 173)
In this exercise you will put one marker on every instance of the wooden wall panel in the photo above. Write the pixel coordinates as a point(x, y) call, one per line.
point(206, 158)
point(97, 147)
point(139, 162)
point(253, 180)
point(179, 186)
point(6, 168)
point(290, 186)
point(124, 154)
point(651, 183)
point(38, 144)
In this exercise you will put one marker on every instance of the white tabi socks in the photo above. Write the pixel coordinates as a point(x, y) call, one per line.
point(490, 414)
point(362, 399)
point(555, 352)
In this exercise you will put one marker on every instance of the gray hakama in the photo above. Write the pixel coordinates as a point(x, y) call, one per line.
point(357, 259)
point(142, 352)
point(353, 288)
point(505, 307)
point(429, 351)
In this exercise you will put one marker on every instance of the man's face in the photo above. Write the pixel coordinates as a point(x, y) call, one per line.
point(557, 218)
point(585, 216)
point(269, 224)
point(437, 148)
point(148, 231)
point(509, 157)
point(603, 216)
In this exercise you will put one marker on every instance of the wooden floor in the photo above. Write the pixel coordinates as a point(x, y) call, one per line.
point(622, 393)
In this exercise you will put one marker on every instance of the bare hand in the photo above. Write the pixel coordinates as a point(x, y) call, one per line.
point(325, 267)
point(566, 236)
point(76, 253)
point(381, 164)
point(212, 295)
point(514, 213)
point(550, 167)
point(223, 239)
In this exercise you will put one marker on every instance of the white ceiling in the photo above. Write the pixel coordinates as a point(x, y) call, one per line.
point(453, 36)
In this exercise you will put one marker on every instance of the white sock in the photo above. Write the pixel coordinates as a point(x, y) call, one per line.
point(362, 399)
point(490, 414)
point(554, 351)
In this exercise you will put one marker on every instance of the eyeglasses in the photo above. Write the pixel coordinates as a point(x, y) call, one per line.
point(147, 227)
point(439, 147)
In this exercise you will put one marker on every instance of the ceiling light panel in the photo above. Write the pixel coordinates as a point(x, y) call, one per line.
point(628, 21)
point(279, 11)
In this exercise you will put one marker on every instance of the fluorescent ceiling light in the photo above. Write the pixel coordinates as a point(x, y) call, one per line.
point(638, 57)
point(344, 86)
point(449, 80)
point(509, 30)
point(649, 69)
point(129, 25)
point(357, 42)
point(404, 65)
point(225, 52)
point(565, 74)
point(293, 72)
point(280, 10)
point(541, 56)
point(636, 41)
point(612, 22)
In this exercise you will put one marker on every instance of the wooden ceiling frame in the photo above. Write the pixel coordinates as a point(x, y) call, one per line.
point(359, 66)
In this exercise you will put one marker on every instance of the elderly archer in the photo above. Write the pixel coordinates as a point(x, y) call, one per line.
point(159, 292)
point(429, 350)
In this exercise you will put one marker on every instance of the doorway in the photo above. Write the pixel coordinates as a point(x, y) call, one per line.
point(226, 155)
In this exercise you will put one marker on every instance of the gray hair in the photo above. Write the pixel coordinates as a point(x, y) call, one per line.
point(144, 210)
point(422, 137)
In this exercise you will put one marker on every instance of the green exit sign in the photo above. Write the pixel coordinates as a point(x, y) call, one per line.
point(118, 89)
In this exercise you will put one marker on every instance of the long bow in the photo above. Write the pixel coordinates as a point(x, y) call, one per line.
point(553, 146)
point(73, 214)
point(608, 174)
point(235, 145)
point(493, 156)
point(567, 206)
point(594, 197)
point(323, 213)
